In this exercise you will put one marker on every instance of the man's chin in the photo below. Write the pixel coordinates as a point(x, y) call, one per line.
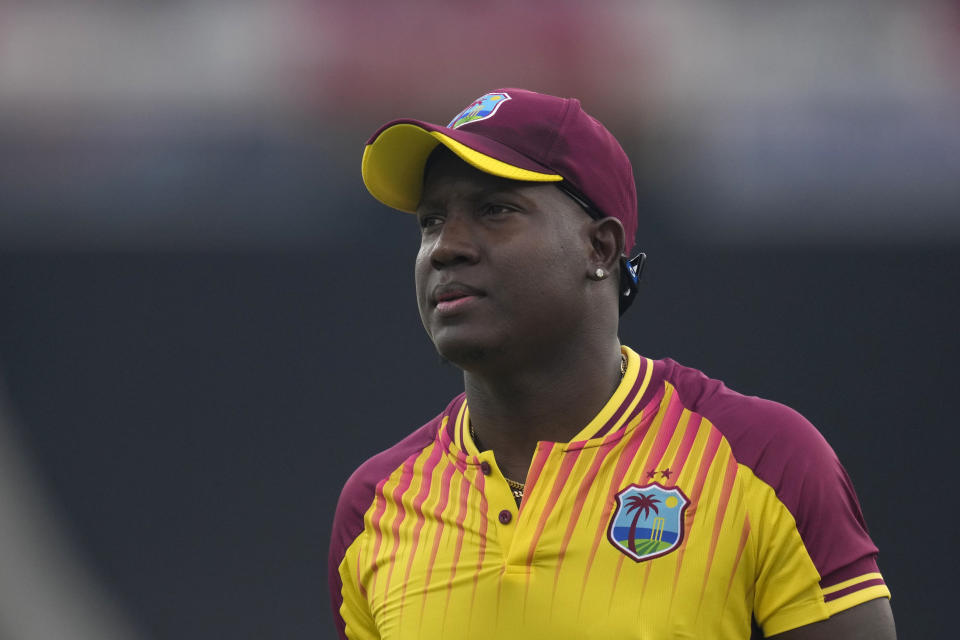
point(467, 354)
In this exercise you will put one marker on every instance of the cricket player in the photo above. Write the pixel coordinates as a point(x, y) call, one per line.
point(577, 488)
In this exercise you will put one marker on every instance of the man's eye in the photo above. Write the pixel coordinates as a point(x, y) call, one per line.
point(496, 209)
point(430, 221)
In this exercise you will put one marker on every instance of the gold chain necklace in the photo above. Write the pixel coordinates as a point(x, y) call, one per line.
point(517, 487)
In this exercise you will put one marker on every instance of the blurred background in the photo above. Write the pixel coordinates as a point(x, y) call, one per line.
point(198, 297)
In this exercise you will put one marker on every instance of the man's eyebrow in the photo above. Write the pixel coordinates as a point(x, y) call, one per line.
point(425, 206)
point(507, 189)
point(474, 195)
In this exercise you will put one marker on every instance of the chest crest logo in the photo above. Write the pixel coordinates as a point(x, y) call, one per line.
point(648, 522)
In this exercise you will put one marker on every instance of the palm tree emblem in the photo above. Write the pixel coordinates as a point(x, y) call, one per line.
point(642, 504)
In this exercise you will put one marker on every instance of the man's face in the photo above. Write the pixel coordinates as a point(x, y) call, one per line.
point(502, 269)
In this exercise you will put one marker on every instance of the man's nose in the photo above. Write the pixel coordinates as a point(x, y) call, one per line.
point(456, 243)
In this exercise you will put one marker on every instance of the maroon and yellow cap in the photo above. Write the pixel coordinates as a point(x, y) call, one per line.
point(514, 134)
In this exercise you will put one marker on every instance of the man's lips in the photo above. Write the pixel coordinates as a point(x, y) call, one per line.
point(450, 297)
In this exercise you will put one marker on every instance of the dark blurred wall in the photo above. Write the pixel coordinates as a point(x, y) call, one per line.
point(197, 413)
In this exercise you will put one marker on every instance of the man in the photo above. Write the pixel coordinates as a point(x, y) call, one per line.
point(577, 489)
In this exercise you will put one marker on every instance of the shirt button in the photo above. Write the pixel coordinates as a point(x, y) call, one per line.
point(485, 467)
point(505, 516)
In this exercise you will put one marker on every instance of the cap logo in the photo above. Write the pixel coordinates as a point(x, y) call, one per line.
point(480, 109)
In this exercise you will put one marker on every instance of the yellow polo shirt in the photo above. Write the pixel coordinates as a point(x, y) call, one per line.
point(683, 510)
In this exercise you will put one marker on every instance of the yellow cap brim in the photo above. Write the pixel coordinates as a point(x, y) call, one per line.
point(394, 161)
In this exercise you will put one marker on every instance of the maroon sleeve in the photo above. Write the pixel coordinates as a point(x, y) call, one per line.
point(787, 452)
point(355, 499)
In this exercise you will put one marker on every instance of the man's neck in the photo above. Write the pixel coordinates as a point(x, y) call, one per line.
point(552, 399)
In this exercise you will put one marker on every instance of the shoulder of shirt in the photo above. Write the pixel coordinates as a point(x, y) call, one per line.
point(359, 491)
point(773, 440)
point(787, 453)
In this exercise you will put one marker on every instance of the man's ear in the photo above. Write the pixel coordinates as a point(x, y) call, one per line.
point(607, 241)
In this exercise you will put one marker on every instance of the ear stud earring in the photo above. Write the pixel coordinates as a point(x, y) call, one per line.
point(600, 274)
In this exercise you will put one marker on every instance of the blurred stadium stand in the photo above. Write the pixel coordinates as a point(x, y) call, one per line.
point(47, 588)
